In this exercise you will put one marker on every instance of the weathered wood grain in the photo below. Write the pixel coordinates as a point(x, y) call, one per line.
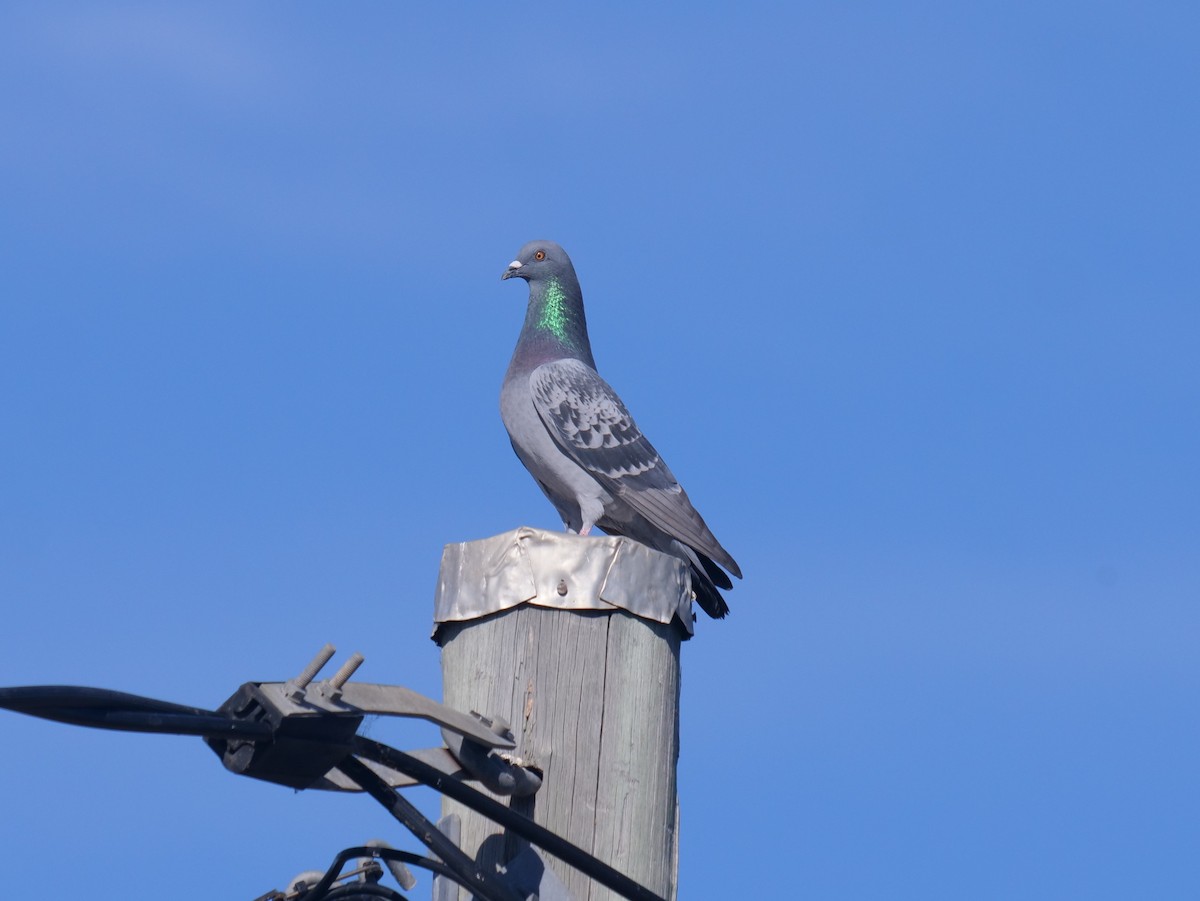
point(593, 701)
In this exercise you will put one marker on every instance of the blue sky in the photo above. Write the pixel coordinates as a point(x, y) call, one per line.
point(906, 294)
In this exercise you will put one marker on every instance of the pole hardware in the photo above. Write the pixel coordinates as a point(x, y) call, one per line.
point(305, 735)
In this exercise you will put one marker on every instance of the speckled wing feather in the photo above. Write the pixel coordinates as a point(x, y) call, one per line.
point(590, 423)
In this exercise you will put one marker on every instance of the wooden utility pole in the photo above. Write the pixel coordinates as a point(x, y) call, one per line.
point(575, 643)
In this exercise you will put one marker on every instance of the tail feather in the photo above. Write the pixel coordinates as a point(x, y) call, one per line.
point(707, 596)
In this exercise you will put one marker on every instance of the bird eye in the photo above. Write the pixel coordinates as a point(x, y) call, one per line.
point(540, 255)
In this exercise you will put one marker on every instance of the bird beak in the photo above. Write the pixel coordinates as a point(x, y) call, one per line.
point(513, 269)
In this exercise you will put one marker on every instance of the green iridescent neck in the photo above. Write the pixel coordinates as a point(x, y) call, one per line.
point(554, 323)
point(554, 316)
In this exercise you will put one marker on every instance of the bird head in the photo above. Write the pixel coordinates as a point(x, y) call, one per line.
point(539, 260)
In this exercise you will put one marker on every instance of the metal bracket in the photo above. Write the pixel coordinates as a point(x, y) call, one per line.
point(312, 727)
point(499, 773)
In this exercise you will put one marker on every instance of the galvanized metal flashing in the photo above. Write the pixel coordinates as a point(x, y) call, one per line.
point(563, 571)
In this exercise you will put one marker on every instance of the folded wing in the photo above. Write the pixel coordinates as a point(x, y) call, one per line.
point(589, 422)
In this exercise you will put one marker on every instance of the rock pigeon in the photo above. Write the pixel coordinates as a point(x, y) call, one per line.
point(574, 435)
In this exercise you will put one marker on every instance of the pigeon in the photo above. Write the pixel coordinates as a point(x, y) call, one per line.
point(578, 441)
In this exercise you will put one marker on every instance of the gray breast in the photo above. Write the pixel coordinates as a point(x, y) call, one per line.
point(562, 479)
